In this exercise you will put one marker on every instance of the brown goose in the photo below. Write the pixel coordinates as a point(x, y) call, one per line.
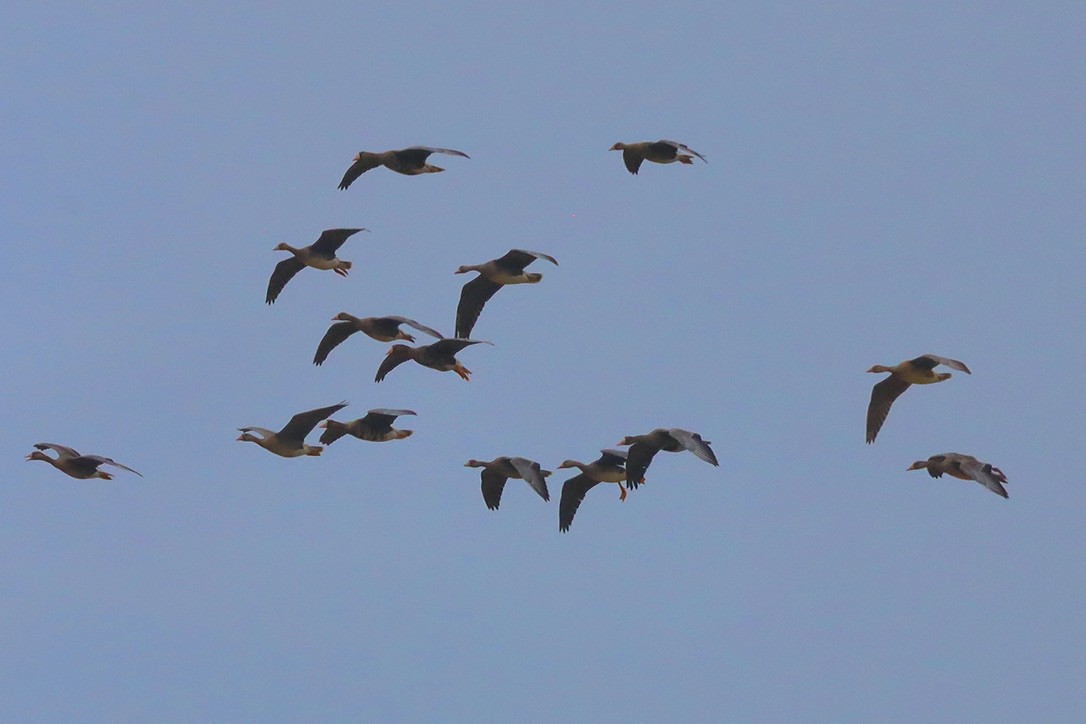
point(440, 356)
point(408, 161)
point(609, 468)
point(321, 254)
point(497, 471)
point(917, 371)
point(493, 275)
point(290, 441)
point(70, 462)
point(643, 449)
point(383, 329)
point(376, 426)
point(656, 151)
point(964, 467)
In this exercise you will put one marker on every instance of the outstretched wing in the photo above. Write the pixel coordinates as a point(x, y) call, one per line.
point(986, 475)
point(303, 423)
point(382, 419)
point(632, 158)
point(389, 363)
point(333, 431)
point(332, 339)
point(452, 346)
point(473, 297)
point(684, 147)
point(929, 361)
point(532, 474)
point(363, 162)
point(100, 460)
point(420, 327)
point(516, 259)
point(62, 451)
point(692, 441)
point(331, 239)
point(883, 395)
point(638, 459)
point(612, 457)
point(573, 492)
point(493, 485)
point(284, 272)
point(431, 149)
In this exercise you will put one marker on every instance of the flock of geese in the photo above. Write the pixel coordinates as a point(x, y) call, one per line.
point(626, 468)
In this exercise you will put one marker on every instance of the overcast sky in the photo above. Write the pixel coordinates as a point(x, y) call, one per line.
point(882, 182)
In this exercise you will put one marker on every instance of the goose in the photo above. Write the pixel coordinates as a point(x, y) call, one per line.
point(408, 161)
point(71, 463)
point(917, 371)
point(656, 151)
point(964, 467)
point(383, 329)
point(321, 254)
point(376, 426)
point(493, 275)
point(438, 356)
point(644, 447)
point(609, 468)
point(290, 441)
point(497, 471)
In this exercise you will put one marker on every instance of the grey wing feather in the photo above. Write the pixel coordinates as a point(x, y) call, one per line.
point(520, 258)
point(365, 162)
point(388, 364)
point(632, 159)
point(684, 147)
point(985, 474)
point(334, 337)
point(692, 441)
point(284, 272)
point(452, 346)
point(331, 239)
point(303, 423)
point(638, 459)
point(951, 363)
point(883, 395)
point(473, 298)
point(532, 474)
point(493, 484)
point(109, 461)
point(573, 492)
point(431, 149)
point(612, 457)
point(61, 450)
point(420, 327)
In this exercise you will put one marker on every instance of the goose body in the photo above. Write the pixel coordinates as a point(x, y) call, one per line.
point(493, 275)
point(321, 254)
point(608, 468)
point(662, 151)
point(918, 371)
point(408, 161)
point(376, 426)
point(964, 467)
point(497, 471)
point(382, 329)
point(70, 462)
point(643, 449)
point(290, 441)
point(440, 356)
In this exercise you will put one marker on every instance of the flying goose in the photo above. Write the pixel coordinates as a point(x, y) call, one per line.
point(321, 254)
point(609, 468)
point(656, 151)
point(964, 467)
point(438, 356)
point(290, 441)
point(376, 426)
point(383, 329)
point(917, 371)
point(70, 462)
point(644, 447)
point(493, 275)
point(497, 471)
point(408, 161)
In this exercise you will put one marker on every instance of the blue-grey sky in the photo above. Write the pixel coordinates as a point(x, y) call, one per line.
point(882, 182)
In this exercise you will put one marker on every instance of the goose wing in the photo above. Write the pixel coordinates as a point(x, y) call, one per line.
point(303, 423)
point(382, 419)
point(883, 395)
point(473, 298)
point(100, 460)
point(985, 474)
point(633, 157)
point(683, 147)
point(420, 327)
point(363, 162)
point(638, 459)
point(516, 259)
point(573, 492)
point(332, 339)
point(493, 485)
point(929, 361)
point(532, 474)
point(692, 441)
point(331, 239)
point(62, 451)
point(284, 272)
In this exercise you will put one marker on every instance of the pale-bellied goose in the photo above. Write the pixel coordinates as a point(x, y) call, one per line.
point(964, 467)
point(656, 151)
point(376, 426)
point(70, 462)
point(383, 329)
point(497, 471)
point(290, 441)
point(917, 371)
point(408, 161)
point(609, 468)
point(644, 447)
point(493, 275)
point(440, 356)
point(321, 254)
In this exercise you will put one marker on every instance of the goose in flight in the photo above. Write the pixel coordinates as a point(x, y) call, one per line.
point(656, 151)
point(408, 161)
point(493, 275)
point(71, 463)
point(919, 371)
point(321, 254)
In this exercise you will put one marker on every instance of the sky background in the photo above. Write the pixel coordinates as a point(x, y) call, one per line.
point(882, 182)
